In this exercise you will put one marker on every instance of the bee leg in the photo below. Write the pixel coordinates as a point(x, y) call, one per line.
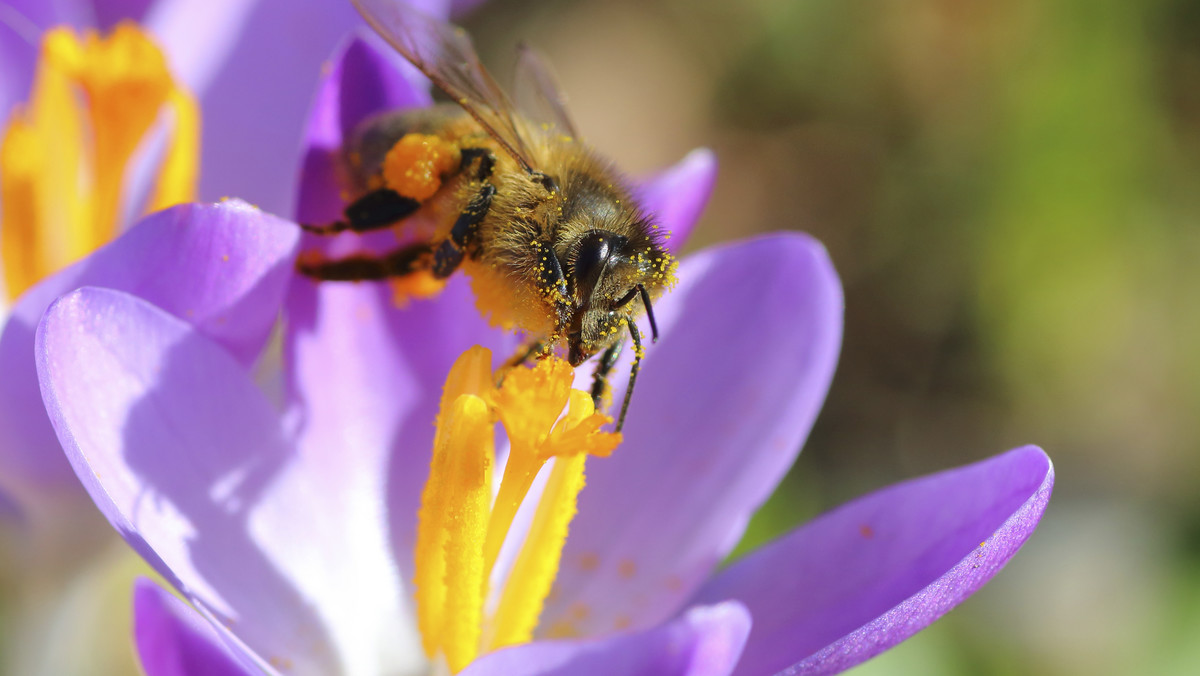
point(554, 283)
point(604, 367)
point(375, 210)
point(524, 353)
point(633, 371)
point(450, 252)
point(401, 262)
point(487, 162)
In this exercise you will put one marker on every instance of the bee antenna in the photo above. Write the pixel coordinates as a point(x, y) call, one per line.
point(649, 313)
point(633, 371)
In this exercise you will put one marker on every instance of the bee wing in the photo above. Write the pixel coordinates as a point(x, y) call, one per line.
point(537, 93)
point(443, 52)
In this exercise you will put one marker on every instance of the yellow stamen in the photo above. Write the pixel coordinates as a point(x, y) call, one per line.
point(467, 440)
point(453, 556)
point(447, 497)
point(65, 154)
point(536, 566)
point(528, 404)
point(178, 176)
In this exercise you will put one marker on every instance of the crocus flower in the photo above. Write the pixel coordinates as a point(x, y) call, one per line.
point(252, 63)
point(66, 185)
point(292, 532)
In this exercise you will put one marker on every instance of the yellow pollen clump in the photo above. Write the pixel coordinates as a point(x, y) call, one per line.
point(419, 285)
point(415, 165)
point(461, 528)
point(64, 154)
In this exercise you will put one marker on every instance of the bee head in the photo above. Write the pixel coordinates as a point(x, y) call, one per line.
point(606, 273)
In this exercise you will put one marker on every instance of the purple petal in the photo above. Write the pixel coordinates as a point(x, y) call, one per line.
point(677, 196)
point(110, 12)
point(256, 107)
point(198, 37)
point(222, 267)
point(705, 641)
point(871, 573)
point(185, 457)
point(724, 402)
point(173, 640)
point(22, 23)
point(366, 377)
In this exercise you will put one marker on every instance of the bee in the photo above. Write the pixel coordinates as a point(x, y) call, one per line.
point(548, 231)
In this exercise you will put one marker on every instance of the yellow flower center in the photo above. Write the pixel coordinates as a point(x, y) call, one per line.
point(462, 527)
point(64, 155)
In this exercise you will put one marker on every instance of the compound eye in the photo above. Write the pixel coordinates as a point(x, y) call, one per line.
point(591, 257)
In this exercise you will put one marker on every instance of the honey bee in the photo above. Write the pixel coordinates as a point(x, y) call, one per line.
point(548, 231)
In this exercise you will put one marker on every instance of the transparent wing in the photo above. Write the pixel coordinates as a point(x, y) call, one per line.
point(537, 93)
point(443, 52)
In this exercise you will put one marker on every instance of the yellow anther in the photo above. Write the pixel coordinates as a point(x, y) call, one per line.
point(449, 568)
point(62, 168)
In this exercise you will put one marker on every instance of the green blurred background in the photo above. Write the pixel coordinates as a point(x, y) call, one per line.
point(1008, 189)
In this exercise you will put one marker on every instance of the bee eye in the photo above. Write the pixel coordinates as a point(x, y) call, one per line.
point(591, 257)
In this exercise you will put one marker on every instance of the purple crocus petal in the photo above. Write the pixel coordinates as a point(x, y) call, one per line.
point(365, 380)
point(174, 640)
point(872, 573)
point(677, 195)
point(222, 267)
point(704, 641)
point(185, 457)
point(197, 36)
point(723, 404)
point(108, 13)
point(21, 25)
point(255, 108)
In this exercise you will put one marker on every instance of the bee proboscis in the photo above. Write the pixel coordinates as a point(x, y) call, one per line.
point(547, 230)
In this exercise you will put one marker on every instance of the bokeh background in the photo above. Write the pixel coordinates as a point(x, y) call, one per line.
point(1010, 190)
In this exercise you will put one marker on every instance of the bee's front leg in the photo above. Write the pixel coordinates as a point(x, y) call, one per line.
point(553, 285)
point(601, 390)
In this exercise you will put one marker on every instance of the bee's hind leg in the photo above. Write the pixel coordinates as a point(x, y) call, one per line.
point(375, 210)
point(399, 263)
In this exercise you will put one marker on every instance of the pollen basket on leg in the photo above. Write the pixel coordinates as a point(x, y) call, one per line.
point(415, 165)
point(454, 557)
